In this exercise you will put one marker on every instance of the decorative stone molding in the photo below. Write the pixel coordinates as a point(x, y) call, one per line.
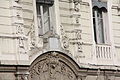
point(103, 0)
point(76, 14)
point(82, 77)
point(22, 48)
point(119, 8)
point(22, 75)
point(51, 67)
point(65, 39)
point(78, 34)
point(32, 37)
point(17, 20)
point(76, 5)
point(20, 29)
point(76, 40)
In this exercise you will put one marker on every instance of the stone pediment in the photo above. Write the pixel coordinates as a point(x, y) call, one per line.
point(52, 66)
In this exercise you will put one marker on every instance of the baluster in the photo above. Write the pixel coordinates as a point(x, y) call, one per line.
point(101, 51)
point(107, 48)
point(109, 52)
point(96, 52)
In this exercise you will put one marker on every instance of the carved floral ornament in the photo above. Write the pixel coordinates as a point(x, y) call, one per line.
point(51, 67)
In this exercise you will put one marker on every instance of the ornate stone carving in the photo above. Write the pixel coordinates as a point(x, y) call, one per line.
point(79, 47)
point(76, 40)
point(119, 8)
point(76, 5)
point(17, 17)
point(22, 48)
point(82, 77)
point(22, 76)
point(32, 35)
point(65, 39)
point(77, 10)
point(51, 68)
point(78, 37)
point(78, 34)
point(65, 42)
point(20, 29)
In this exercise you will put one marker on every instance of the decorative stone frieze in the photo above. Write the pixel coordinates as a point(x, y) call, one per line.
point(51, 68)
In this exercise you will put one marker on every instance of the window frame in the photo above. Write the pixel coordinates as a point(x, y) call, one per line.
point(41, 22)
point(41, 30)
point(105, 22)
point(97, 16)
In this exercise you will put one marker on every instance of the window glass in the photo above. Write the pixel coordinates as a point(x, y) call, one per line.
point(98, 26)
point(43, 18)
point(46, 18)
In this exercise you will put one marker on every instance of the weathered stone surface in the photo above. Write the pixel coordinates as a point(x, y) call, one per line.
point(51, 67)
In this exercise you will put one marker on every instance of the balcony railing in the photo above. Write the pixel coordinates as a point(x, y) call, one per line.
point(103, 52)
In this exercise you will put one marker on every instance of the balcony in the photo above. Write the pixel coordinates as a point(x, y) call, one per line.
point(103, 52)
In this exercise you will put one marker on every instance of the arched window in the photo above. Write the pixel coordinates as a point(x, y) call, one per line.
point(100, 22)
point(44, 15)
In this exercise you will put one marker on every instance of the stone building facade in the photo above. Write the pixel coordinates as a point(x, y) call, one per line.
point(59, 39)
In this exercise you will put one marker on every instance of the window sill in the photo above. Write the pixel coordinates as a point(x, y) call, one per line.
point(103, 44)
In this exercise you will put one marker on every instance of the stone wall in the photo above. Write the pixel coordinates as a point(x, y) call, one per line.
point(21, 45)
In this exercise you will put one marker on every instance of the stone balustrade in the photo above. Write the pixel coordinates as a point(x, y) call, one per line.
point(103, 51)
